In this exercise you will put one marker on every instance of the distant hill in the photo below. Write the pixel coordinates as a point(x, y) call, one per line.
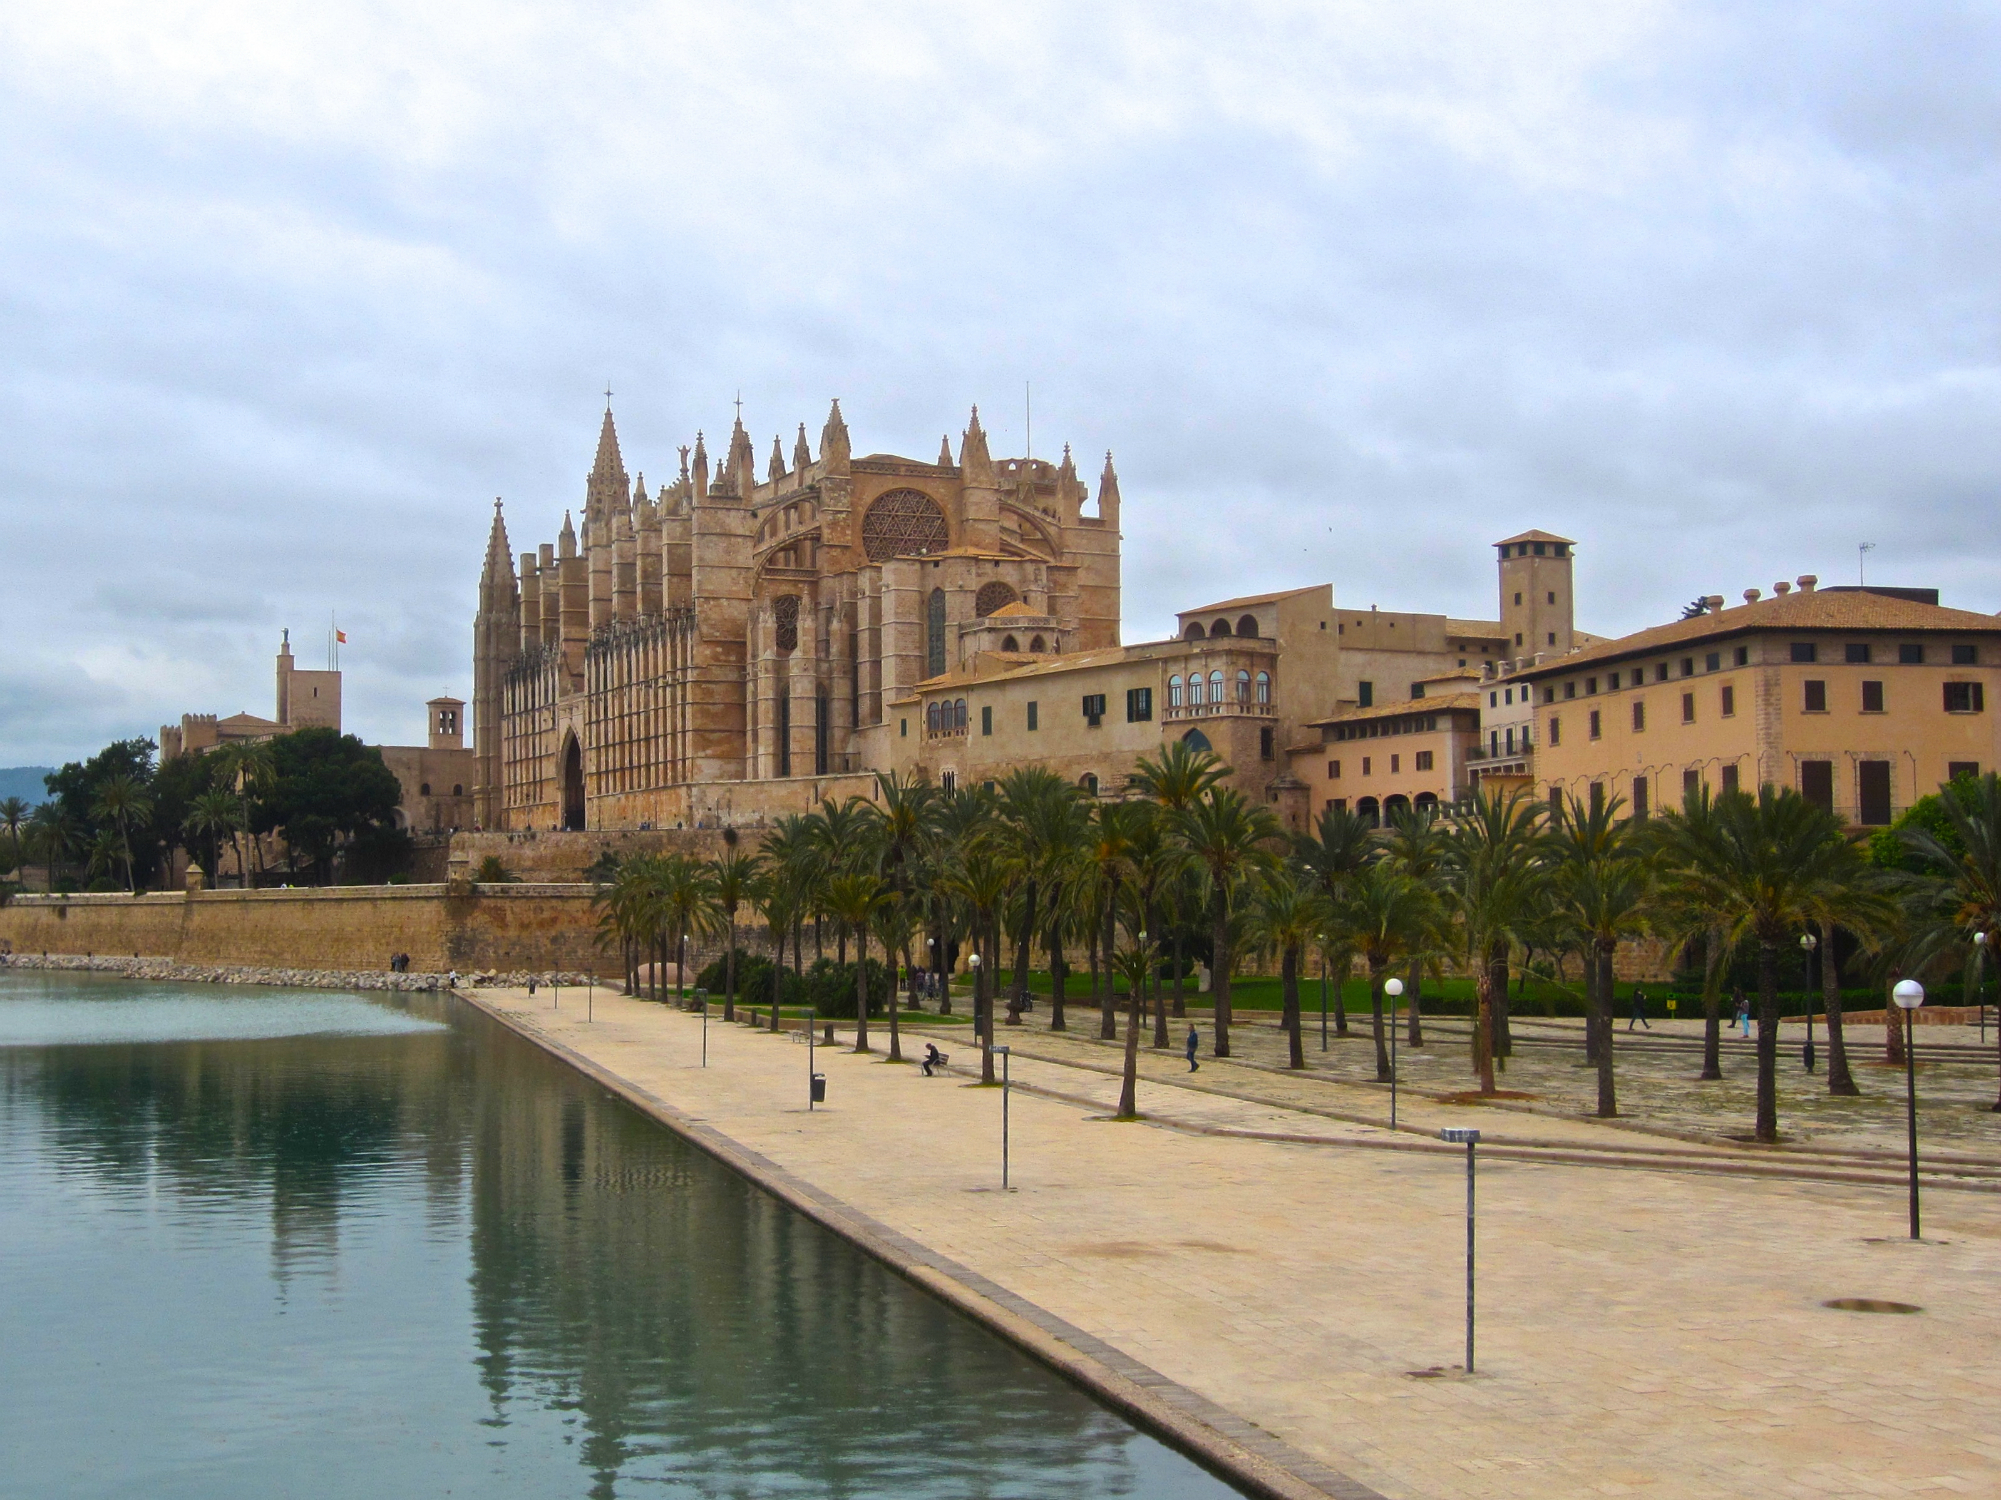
point(24, 782)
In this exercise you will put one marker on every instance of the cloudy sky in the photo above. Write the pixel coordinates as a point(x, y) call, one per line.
point(289, 292)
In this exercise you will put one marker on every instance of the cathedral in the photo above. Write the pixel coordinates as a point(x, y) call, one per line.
point(710, 644)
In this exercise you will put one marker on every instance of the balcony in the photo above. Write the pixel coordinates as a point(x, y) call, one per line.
point(1241, 710)
point(956, 732)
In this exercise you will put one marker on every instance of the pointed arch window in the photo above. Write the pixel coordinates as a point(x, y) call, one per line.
point(785, 620)
point(934, 634)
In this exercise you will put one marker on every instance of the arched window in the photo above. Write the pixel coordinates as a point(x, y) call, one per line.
point(1243, 687)
point(424, 790)
point(1264, 687)
point(1196, 741)
point(1174, 691)
point(1195, 694)
point(458, 789)
point(1248, 626)
point(1009, 643)
point(959, 714)
point(1369, 812)
point(1215, 687)
point(1394, 805)
point(1426, 801)
point(930, 718)
point(1193, 632)
point(993, 596)
point(934, 634)
point(1089, 782)
point(1038, 644)
point(1221, 627)
point(903, 523)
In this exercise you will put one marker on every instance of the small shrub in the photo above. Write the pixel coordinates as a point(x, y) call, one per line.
point(830, 988)
point(753, 982)
point(492, 872)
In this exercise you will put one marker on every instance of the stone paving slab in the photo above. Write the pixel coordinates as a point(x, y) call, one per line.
point(1643, 1332)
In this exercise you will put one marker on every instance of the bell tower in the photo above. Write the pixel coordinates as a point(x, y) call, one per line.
point(1537, 613)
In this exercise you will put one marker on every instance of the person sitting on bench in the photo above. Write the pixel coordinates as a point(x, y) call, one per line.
point(933, 1058)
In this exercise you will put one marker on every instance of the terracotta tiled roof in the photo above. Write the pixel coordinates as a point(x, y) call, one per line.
point(1403, 706)
point(991, 666)
point(1015, 609)
point(1535, 536)
point(1203, 609)
point(1806, 609)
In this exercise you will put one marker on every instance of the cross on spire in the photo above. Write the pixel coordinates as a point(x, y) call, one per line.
point(607, 395)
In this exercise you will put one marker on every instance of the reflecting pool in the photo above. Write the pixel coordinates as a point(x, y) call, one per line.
point(267, 1243)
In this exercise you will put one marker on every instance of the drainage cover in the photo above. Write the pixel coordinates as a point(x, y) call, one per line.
point(1870, 1304)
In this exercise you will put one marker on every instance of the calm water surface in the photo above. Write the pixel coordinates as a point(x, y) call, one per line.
point(260, 1243)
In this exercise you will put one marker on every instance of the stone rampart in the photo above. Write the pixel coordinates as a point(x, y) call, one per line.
point(493, 927)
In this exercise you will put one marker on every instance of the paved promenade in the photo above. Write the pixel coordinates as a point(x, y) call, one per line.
point(1645, 1330)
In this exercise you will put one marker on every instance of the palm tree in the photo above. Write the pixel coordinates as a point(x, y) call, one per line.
point(893, 927)
point(685, 894)
point(1040, 811)
point(981, 879)
point(1340, 844)
point(106, 850)
point(1108, 855)
point(54, 834)
point(123, 800)
point(1175, 782)
point(1494, 887)
point(792, 852)
point(1390, 919)
point(246, 767)
point(778, 903)
point(1416, 842)
point(1230, 838)
point(732, 877)
point(1287, 914)
point(212, 816)
point(1965, 893)
point(1774, 863)
point(852, 899)
point(1603, 887)
point(13, 813)
point(1135, 962)
point(1158, 864)
point(1684, 841)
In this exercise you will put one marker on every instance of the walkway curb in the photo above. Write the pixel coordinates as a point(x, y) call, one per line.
point(1249, 1457)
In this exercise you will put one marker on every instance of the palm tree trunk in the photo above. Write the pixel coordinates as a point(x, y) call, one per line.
point(1376, 973)
point(983, 979)
point(1839, 1079)
point(729, 975)
point(861, 985)
point(1219, 978)
point(1160, 1039)
point(1500, 1038)
point(1712, 1011)
point(895, 1030)
point(1413, 988)
point(1108, 1010)
point(1180, 963)
point(1768, 1041)
point(1129, 1086)
point(1893, 1032)
point(1593, 1007)
point(1483, 1021)
point(1608, 1092)
point(1022, 947)
point(777, 977)
point(1091, 954)
point(1059, 974)
point(1341, 974)
point(1289, 984)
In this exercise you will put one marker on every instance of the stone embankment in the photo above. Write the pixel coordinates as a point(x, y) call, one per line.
point(166, 969)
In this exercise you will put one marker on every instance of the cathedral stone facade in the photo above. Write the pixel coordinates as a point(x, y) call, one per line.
point(719, 641)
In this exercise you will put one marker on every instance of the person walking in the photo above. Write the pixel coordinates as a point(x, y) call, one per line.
point(1639, 1015)
point(1743, 1013)
point(1194, 1041)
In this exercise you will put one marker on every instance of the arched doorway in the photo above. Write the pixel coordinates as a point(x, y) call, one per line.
point(573, 783)
point(1196, 740)
point(1395, 805)
point(1369, 812)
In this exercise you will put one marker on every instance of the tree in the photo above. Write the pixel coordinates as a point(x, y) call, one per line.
point(732, 877)
point(1135, 962)
point(1040, 813)
point(1768, 870)
point(212, 817)
point(1965, 897)
point(1340, 844)
point(1108, 854)
point(853, 898)
point(1495, 886)
point(1390, 919)
point(326, 787)
point(1416, 843)
point(1287, 915)
point(1229, 837)
point(14, 812)
point(54, 834)
point(1174, 782)
point(122, 801)
point(1603, 888)
point(247, 768)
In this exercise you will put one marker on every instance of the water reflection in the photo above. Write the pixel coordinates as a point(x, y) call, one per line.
point(434, 1261)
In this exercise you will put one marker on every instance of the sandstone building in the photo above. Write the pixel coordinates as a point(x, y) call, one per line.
point(726, 640)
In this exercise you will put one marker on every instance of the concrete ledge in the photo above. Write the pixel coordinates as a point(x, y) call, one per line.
point(1240, 1451)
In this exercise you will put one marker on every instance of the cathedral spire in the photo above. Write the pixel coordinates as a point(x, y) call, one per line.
point(834, 438)
point(945, 451)
point(1108, 490)
point(973, 456)
point(608, 461)
point(777, 459)
point(607, 489)
point(566, 540)
point(802, 455)
point(499, 557)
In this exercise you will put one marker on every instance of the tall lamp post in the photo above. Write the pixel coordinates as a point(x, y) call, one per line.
point(1458, 1135)
point(1394, 989)
point(1980, 980)
point(1007, 1081)
point(1808, 942)
point(1323, 994)
point(1909, 995)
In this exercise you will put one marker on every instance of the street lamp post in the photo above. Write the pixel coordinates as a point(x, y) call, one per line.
point(931, 961)
point(1909, 995)
point(1007, 1076)
point(1980, 980)
point(979, 1012)
point(1394, 989)
point(1808, 942)
point(1462, 1135)
point(702, 999)
point(1323, 992)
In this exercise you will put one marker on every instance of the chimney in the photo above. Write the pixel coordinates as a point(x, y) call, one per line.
point(1713, 603)
point(1751, 596)
point(1782, 587)
point(1807, 582)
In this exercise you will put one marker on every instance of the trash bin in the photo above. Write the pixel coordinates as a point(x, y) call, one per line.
point(819, 1088)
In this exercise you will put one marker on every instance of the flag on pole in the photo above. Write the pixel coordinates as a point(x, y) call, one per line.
point(340, 637)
